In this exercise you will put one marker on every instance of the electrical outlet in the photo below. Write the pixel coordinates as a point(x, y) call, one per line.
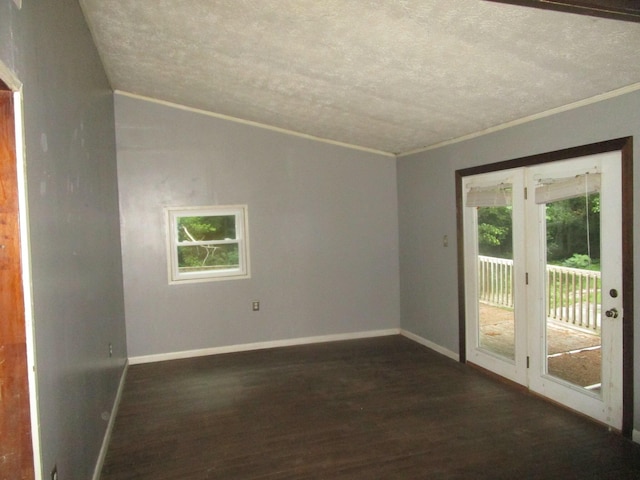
point(255, 306)
point(54, 473)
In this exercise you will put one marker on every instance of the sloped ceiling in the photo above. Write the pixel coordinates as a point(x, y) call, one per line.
point(392, 76)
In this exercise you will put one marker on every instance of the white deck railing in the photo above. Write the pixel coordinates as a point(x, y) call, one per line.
point(573, 294)
point(495, 277)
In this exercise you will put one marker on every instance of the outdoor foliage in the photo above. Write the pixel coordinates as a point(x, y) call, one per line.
point(217, 227)
point(207, 229)
point(573, 227)
point(573, 231)
point(494, 232)
point(577, 261)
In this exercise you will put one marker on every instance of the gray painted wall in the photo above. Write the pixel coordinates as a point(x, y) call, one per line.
point(322, 225)
point(426, 187)
point(74, 227)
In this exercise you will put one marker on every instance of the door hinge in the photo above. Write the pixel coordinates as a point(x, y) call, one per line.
point(526, 278)
point(525, 193)
point(527, 362)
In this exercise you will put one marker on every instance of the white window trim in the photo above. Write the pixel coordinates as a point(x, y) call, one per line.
point(242, 239)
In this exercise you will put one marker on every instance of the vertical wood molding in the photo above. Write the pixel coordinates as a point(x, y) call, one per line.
point(15, 420)
point(627, 288)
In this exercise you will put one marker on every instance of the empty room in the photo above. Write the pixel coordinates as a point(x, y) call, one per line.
point(319, 239)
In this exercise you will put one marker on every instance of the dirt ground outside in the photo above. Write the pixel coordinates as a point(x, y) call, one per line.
point(574, 355)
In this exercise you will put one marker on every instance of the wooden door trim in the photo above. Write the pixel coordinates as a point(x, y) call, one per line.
point(625, 146)
point(627, 287)
point(613, 9)
point(16, 444)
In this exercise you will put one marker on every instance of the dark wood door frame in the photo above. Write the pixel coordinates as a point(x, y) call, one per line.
point(628, 10)
point(16, 448)
point(625, 146)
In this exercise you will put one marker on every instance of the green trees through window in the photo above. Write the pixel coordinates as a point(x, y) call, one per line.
point(573, 231)
point(207, 243)
point(199, 242)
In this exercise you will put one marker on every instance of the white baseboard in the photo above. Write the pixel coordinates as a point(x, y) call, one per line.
point(260, 346)
point(112, 419)
point(429, 344)
point(635, 435)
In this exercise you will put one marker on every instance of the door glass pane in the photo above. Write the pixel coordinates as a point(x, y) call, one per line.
point(495, 281)
point(573, 345)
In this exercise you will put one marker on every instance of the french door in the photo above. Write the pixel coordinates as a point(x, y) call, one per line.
point(543, 279)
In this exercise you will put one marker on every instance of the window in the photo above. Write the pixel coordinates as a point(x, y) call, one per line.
point(207, 243)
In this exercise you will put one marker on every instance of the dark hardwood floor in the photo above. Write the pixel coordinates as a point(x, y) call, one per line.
point(382, 408)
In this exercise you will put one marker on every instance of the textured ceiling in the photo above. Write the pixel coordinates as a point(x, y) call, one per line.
point(393, 76)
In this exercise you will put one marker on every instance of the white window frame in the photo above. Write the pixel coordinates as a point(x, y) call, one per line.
point(242, 240)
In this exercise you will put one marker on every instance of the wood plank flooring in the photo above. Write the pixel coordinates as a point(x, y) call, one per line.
point(382, 408)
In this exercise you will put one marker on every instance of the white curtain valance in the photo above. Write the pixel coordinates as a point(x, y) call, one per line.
point(493, 196)
point(554, 190)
